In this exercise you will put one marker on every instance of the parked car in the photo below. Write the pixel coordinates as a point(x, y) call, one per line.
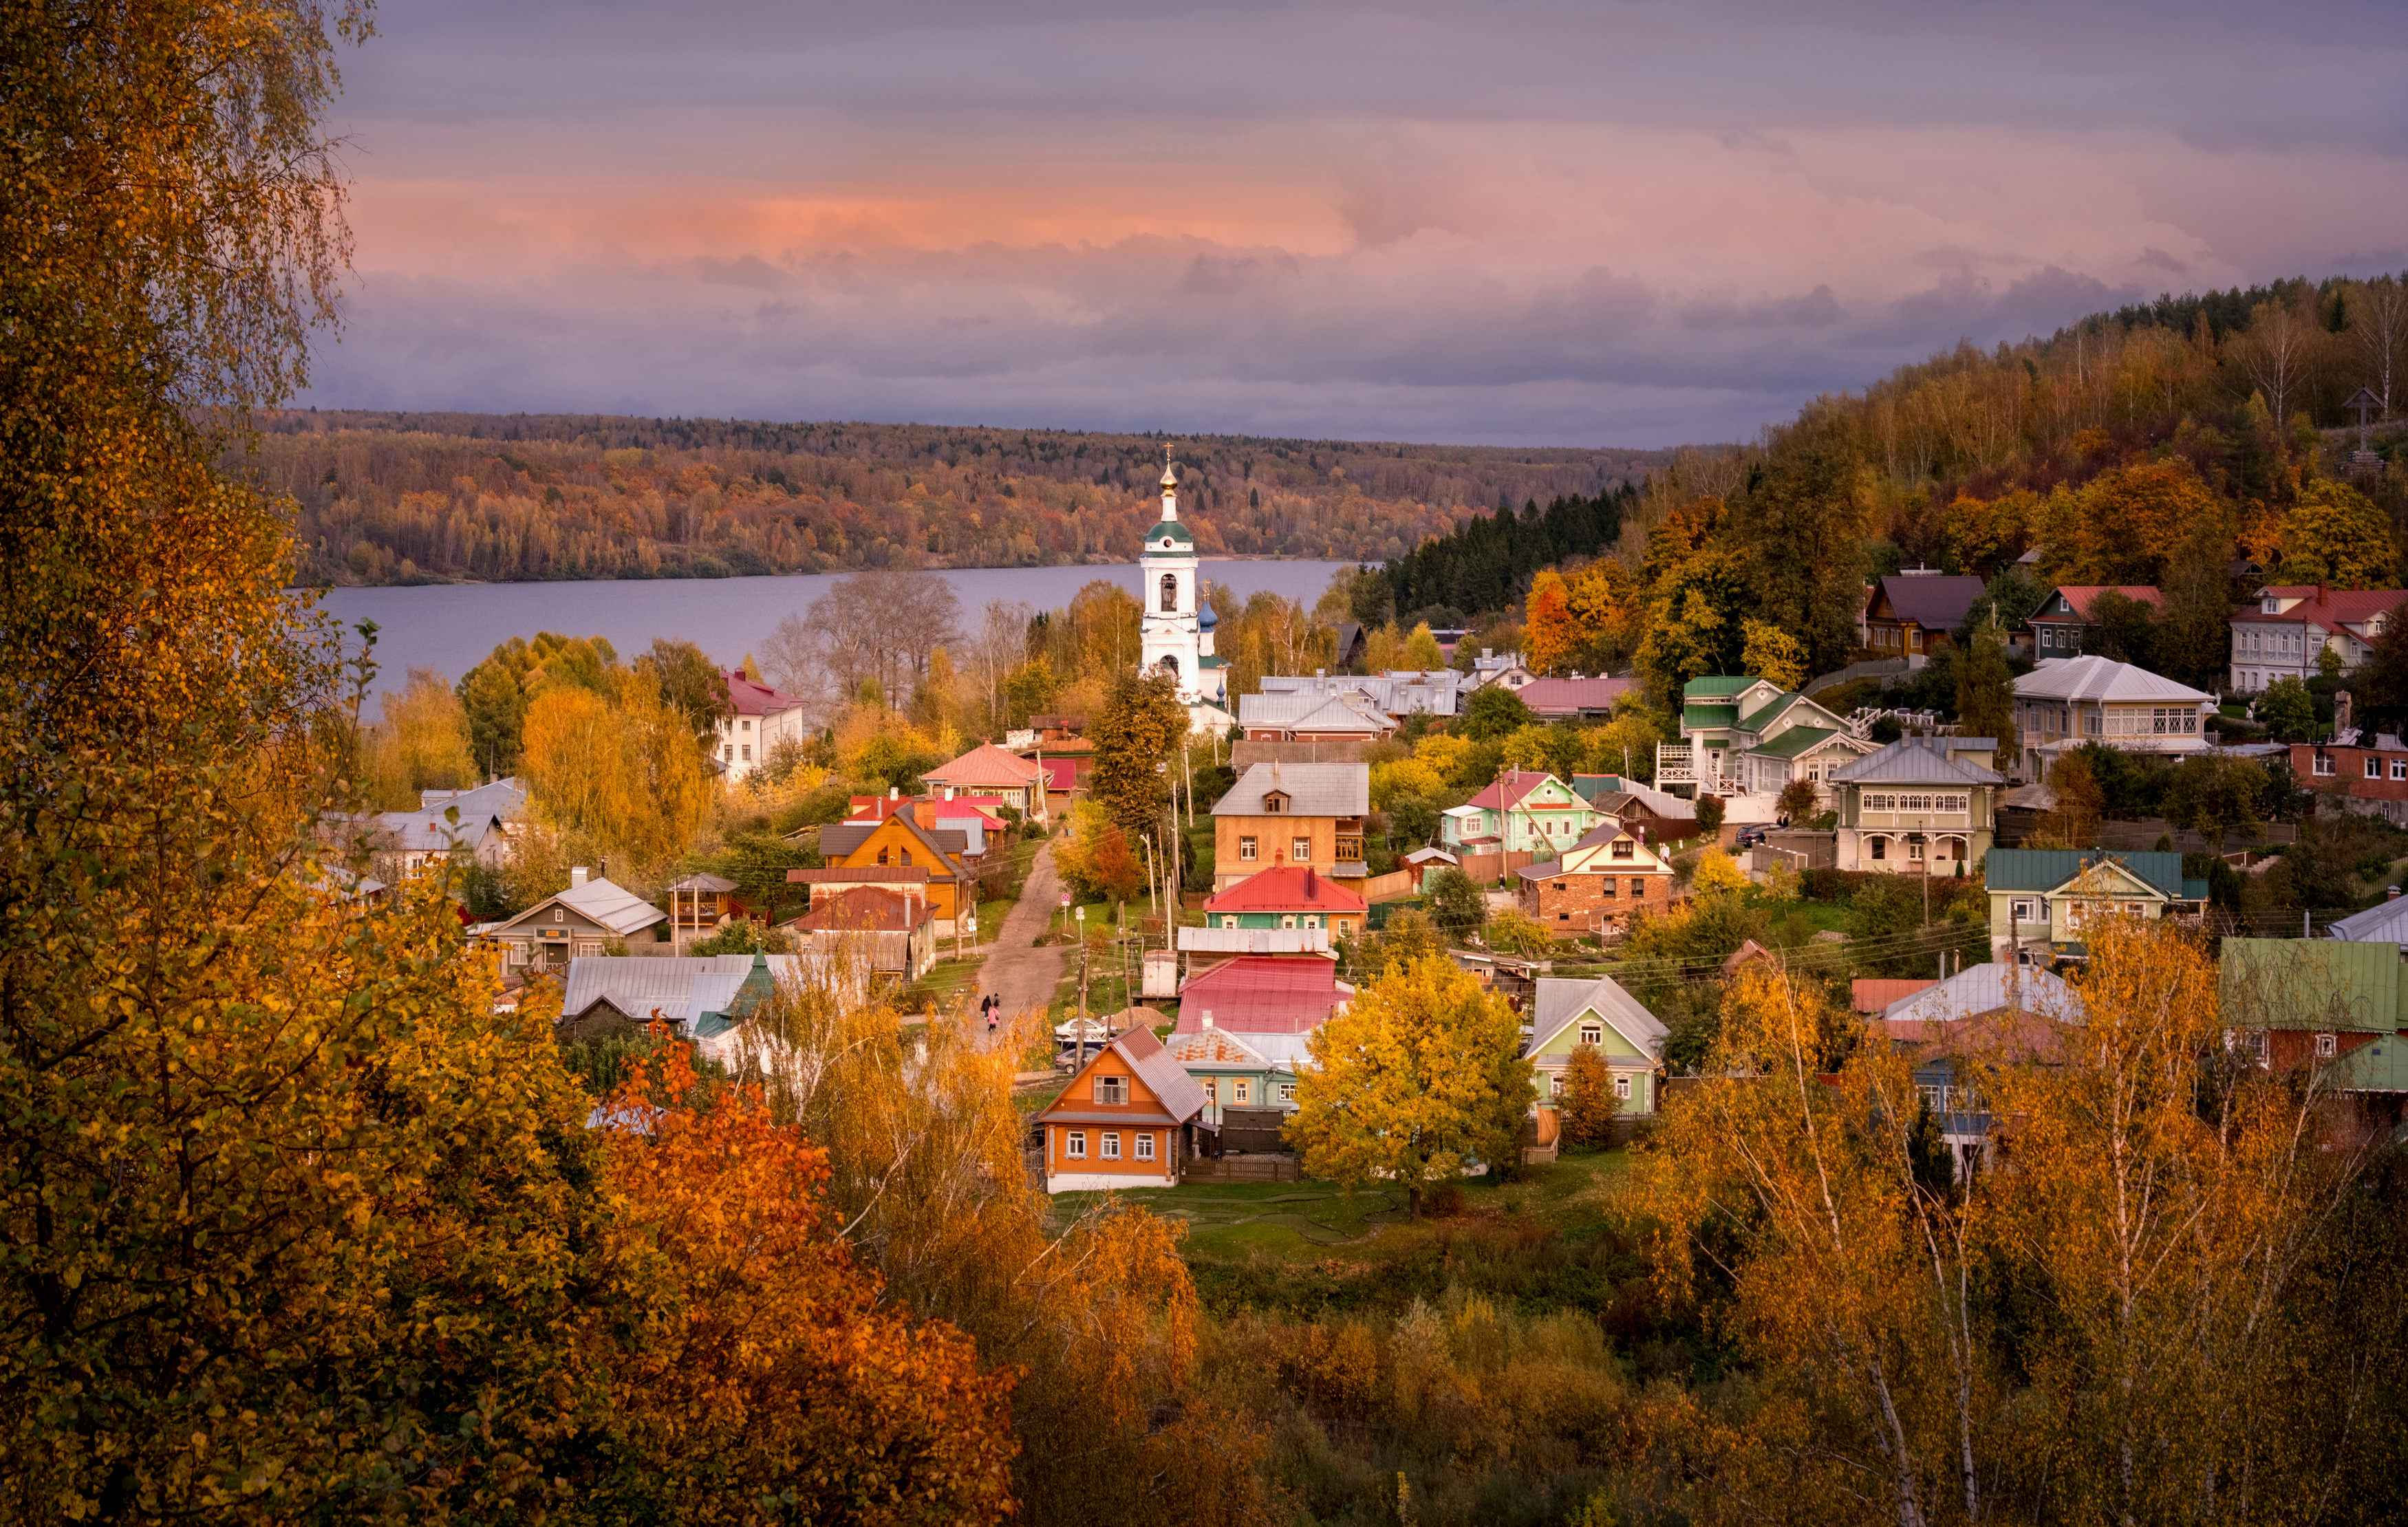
point(1750, 837)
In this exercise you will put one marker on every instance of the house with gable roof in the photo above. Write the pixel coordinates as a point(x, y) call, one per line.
point(1907, 615)
point(1522, 811)
point(1921, 805)
point(757, 719)
point(987, 770)
point(1261, 994)
point(2041, 898)
point(606, 994)
point(1745, 735)
point(1600, 880)
point(2062, 626)
point(898, 850)
point(1240, 1070)
point(477, 823)
point(1128, 1119)
point(1307, 814)
point(2286, 633)
point(1327, 710)
point(892, 929)
point(1570, 1015)
point(582, 920)
point(1285, 910)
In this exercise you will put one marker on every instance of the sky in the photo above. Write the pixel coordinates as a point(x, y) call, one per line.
point(1574, 223)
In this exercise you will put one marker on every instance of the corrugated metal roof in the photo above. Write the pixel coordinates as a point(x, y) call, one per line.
point(866, 908)
point(1560, 1001)
point(984, 764)
point(1255, 940)
point(1935, 602)
point(680, 987)
point(2384, 923)
point(1313, 790)
point(1719, 684)
point(1573, 696)
point(1987, 989)
point(861, 875)
point(747, 699)
point(1915, 761)
point(2045, 869)
point(2093, 678)
point(1285, 888)
point(1263, 994)
point(1181, 1094)
point(2310, 983)
point(1874, 993)
point(1797, 740)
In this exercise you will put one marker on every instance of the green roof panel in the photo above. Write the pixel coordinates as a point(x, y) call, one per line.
point(2328, 984)
point(1797, 740)
point(1709, 716)
point(2045, 869)
point(1718, 687)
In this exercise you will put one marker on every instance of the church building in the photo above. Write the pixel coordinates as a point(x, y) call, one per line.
point(1177, 626)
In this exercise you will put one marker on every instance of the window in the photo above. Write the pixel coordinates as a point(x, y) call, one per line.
point(1169, 594)
point(2090, 722)
point(2258, 1046)
point(1076, 1146)
point(1563, 917)
point(1288, 922)
point(1212, 1089)
point(2324, 765)
point(2328, 1046)
point(907, 859)
point(1287, 1091)
point(1592, 1034)
point(883, 854)
point(1914, 849)
point(2026, 909)
point(729, 755)
point(1607, 883)
point(1638, 886)
point(2273, 606)
point(1111, 1089)
point(1111, 1145)
point(1300, 849)
point(748, 752)
point(1881, 848)
point(1145, 1146)
point(1555, 1086)
point(2400, 768)
point(1311, 922)
point(1345, 925)
point(1623, 847)
point(2374, 768)
point(1246, 848)
point(1622, 1088)
point(746, 723)
point(1242, 1091)
point(1275, 803)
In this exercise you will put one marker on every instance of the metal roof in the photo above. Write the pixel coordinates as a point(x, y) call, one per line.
point(1797, 740)
point(1264, 995)
point(1935, 602)
point(1915, 761)
point(1573, 696)
point(600, 901)
point(1255, 940)
point(1987, 989)
point(681, 988)
point(2046, 869)
point(747, 697)
point(984, 764)
point(2384, 923)
point(1181, 1096)
point(1313, 790)
point(2310, 983)
point(1720, 684)
point(1285, 888)
point(2093, 678)
point(1559, 1000)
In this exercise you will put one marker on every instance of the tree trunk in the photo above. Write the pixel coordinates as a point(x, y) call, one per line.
point(1414, 1197)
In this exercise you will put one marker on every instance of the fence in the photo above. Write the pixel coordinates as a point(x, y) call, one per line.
point(1489, 868)
point(1243, 755)
point(1876, 667)
point(1388, 887)
point(1243, 1169)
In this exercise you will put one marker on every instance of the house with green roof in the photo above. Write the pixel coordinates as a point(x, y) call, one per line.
point(2041, 898)
point(1746, 736)
point(2330, 1002)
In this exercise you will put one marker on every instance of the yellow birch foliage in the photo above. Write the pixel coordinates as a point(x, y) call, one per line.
point(423, 743)
point(622, 772)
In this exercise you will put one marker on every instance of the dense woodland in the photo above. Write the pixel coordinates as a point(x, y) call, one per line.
point(395, 498)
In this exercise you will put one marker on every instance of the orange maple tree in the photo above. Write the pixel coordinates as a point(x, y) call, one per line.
point(774, 1383)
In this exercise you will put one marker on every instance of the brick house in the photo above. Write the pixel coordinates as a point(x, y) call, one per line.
point(1600, 880)
point(2368, 774)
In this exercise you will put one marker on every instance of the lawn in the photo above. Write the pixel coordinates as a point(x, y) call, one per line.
point(942, 983)
point(1298, 1223)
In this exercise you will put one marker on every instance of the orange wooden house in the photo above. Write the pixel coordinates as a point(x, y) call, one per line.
point(898, 843)
point(1128, 1120)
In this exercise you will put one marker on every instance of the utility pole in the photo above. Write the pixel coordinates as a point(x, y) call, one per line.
point(1080, 917)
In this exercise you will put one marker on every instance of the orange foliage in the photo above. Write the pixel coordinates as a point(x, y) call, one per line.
point(1549, 635)
point(773, 1373)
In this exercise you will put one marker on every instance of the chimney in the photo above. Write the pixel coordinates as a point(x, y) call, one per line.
point(1207, 1018)
point(895, 792)
point(2391, 892)
point(577, 877)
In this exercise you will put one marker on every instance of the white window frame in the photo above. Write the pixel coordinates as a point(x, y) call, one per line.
point(1246, 849)
point(2328, 1046)
point(1287, 1091)
point(1145, 1145)
point(1241, 1092)
point(1555, 1084)
point(2323, 767)
point(1111, 1090)
point(2373, 767)
point(1592, 1034)
point(1112, 1143)
point(1300, 851)
point(1622, 1087)
point(1074, 1145)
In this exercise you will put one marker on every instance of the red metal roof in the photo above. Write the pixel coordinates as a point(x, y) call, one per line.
point(1285, 888)
point(747, 699)
point(867, 908)
point(1874, 995)
point(1508, 789)
point(985, 764)
point(2330, 608)
point(1263, 994)
point(1060, 773)
point(1569, 696)
point(2080, 595)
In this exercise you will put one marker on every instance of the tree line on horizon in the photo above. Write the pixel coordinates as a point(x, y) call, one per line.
point(417, 497)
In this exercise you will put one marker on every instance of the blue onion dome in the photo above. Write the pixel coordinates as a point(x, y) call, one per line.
point(1205, 619)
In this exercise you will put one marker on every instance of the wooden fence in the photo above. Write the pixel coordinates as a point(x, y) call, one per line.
point(1390, 887)
point(1241, 1169)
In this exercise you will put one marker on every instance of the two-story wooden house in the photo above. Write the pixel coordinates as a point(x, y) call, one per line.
point(1285, 910)
point(1600, 880)
point(2062, 626)
point(1567, 1015)
point(1745, 735)
point(1521, 812)
point(899, 843)
point(1922, 806)
point(2067, 702)
point(1309, 815)
point(1128, 1120)
point(2042, 899)
point(1908, 614)
point(987, 770)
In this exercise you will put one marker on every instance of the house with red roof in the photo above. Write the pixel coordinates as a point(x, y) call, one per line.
point(2062, 626)
point(2286, 634)
point(988, 770)
point(1575, 698)
point(757, 719)
point(1263, 994)
point(1285, 910)
point(1520, 812)
point(891, 927)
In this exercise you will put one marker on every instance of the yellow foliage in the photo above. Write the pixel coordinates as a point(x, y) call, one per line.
point(423, 743)
point(1717, 871)
point(1404, 777)
point(622, 772)
point(1442, 751)
point(1772, 653)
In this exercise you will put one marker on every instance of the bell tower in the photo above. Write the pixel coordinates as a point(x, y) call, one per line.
point(1173, 637)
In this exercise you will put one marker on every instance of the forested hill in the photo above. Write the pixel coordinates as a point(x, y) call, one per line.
point(408, 497)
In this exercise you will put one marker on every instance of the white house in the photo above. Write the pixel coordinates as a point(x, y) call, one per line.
point(2066, 702)
point(758, 719)
point(2286, 634)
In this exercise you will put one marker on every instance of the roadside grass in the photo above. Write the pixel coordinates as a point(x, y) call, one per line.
point(942, 984)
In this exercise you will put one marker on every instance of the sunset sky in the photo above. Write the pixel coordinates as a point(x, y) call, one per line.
point(1569, 223)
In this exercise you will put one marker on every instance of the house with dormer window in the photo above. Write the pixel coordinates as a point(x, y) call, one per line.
point(1567, 1015)
point(2042, 899)
point(1309, 815)
point(1745, 735)
point(1128, 1120)
point(1522, 811)
point(2288, 630)
point(1600, 880)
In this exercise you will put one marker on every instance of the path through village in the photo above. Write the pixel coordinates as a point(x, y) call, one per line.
point(1020, 970)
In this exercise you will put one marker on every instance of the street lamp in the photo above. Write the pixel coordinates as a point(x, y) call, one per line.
point(1080, 914)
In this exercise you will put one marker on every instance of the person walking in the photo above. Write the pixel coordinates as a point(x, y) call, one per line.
point(994, 1009)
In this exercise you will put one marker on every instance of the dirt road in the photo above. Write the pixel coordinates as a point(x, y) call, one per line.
point(1024, 973)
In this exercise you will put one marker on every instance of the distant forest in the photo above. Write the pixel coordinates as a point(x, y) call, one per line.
point(442, 497)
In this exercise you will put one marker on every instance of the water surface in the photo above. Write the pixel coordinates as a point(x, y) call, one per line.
point(449, 627)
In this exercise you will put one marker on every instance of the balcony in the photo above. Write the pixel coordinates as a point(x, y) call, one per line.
point(1350, 850)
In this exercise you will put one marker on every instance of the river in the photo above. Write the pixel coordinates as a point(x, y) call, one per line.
point(449, 627)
